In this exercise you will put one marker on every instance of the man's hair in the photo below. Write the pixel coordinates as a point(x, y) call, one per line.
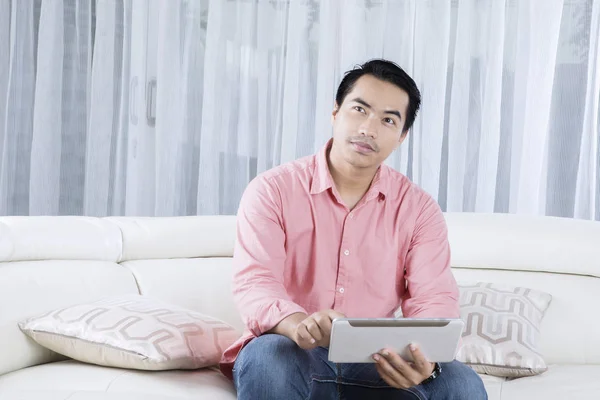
point(386, 71)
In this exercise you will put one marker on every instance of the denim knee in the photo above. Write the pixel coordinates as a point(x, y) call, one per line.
point(474, 383)
point(457, 382)
point(272, 365)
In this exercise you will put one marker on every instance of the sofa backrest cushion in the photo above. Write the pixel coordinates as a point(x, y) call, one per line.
point(200, 284)
point(59, 238)
point(525, 243)
point(147, 238)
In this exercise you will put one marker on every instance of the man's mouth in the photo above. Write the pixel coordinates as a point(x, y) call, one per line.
point(363, 147)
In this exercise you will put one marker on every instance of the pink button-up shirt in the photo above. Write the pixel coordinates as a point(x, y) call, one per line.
point(300, 249)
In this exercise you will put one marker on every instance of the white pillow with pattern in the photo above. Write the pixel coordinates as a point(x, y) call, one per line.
point(133, 332)
point(502, 329)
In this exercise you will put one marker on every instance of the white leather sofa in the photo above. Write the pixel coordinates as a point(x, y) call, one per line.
point(50, 262)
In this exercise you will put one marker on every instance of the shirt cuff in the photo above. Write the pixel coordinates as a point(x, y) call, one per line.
point(272, 314)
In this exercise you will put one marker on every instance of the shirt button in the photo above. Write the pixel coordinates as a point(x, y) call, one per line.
point(351, 215)
point(341, 290)
point(347, 252)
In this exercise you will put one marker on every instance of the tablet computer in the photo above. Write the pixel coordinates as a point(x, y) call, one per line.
point(355, 340)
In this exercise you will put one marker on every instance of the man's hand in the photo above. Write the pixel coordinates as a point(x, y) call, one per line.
point(315, 330)
point(400, 374)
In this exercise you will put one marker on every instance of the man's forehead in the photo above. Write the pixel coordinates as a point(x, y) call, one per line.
point(378, 93)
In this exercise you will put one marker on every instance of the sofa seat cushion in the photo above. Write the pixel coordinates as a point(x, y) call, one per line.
point(73, 380)
point(493, 386)
point(81, 395)
point(78, 381)
point(559, 382)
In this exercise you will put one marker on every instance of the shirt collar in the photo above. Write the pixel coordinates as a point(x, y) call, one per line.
point(381, 182)
point(322, 179)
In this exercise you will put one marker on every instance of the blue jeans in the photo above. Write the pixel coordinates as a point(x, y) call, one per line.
point(274, 367)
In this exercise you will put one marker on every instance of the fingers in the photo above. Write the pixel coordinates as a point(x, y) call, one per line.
point(386, 378)
point(303, 337)
point(421, 364)
point(398, 363)
point(313, 328)
point(310, 332)
point(389, 374)
point(319, 326)
point(394, 368)
point(324, 323)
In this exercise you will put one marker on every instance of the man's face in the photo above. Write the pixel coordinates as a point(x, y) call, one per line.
point(368, 125)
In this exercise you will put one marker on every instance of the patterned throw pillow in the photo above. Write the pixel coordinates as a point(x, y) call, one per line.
point(502, 329)
point(133, 332)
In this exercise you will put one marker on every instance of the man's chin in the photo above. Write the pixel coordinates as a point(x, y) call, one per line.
point(361, 161)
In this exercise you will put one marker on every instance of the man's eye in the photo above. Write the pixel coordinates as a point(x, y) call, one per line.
point(390, 121)
point(359, 109)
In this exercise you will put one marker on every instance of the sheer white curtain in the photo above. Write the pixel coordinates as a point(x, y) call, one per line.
point(170, 107)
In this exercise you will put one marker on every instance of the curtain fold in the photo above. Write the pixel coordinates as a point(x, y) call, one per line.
point(170, 107)
point(18, 113)
point(587, 195)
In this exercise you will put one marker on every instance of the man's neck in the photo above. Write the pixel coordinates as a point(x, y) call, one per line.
point(348, 179)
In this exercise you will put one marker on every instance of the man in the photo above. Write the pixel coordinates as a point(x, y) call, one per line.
point(341, 234)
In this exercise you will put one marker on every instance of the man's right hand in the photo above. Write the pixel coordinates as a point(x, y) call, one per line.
point(315, 330)
point(308, 331)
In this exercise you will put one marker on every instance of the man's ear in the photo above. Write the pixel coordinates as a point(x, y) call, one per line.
point(402, 137)
point(336, 109)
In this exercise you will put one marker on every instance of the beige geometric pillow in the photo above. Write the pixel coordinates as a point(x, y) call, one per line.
point(133, 332)
point(502, 329)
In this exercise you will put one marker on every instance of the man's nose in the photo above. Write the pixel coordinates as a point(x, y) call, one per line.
point(369, 127)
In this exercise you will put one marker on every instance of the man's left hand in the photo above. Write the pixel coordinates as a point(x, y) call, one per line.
point(398, 373)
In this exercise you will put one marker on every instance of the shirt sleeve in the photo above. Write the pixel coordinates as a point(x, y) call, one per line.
point(432, 291)
point(259, 259)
